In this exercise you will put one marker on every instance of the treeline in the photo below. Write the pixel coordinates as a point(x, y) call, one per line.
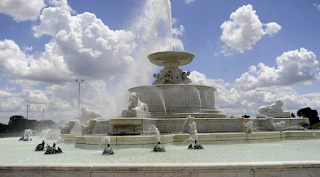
point(18, 123)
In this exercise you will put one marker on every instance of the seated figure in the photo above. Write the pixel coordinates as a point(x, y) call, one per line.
point(136, 108)
point(273, 110)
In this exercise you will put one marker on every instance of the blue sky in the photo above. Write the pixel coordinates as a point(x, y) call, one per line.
point(253, 52)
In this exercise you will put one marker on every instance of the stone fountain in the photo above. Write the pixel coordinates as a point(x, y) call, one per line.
point(172, 101)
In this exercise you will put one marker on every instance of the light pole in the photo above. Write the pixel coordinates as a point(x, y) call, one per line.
point(27, 110)
point(79, 82)
point(43, 115)
point(27, 116)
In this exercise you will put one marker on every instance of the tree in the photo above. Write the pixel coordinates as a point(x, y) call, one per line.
point(17, 123)
point(309, 113)
point(292, 115)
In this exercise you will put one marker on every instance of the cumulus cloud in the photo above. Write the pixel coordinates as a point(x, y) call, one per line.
point(22, 10)
point(176, 31)
point(293, 67)
point(244, 29)
point(88, 46)
point(317, 6)
point(63, 4)
point(238, 102)
point(82, 47)
point(21, 68)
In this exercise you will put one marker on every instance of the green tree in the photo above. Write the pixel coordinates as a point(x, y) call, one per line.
point(312, 114)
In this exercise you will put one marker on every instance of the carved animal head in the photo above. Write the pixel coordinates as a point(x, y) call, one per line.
point(133, 97)
point(279, 103)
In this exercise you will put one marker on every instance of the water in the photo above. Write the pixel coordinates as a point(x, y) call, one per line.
point(157, 131)
point(198, 93)
point(159, 92)
point(14, 151)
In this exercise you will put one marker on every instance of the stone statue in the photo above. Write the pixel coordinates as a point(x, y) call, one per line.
point(185, 79)
point(273, 110)
point(86, 115)
point(85, 129)
point(65, 129)
point(248, 126)
point(136, 108)
point(157, 81)
point(167, 76)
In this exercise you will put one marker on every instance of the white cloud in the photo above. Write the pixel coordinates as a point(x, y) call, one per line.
point(311, 95)
point(294, 67)
point(82, 47)
point(317, 6)
point(188, 1)
point(63, 4)
point(22, 10)
point(9, 89)
point(176, 31)
point(21, 68)
point(244, 29)
point(88, 46)
point(238, 102)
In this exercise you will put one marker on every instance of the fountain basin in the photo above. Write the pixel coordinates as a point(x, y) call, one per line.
point(126, 126)
point(179, 100)
point(282, 158)
point(170, 58)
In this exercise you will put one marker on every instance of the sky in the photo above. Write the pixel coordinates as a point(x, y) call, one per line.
point(252, 52)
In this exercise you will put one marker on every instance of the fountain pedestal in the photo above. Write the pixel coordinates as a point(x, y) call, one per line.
point(126, 126)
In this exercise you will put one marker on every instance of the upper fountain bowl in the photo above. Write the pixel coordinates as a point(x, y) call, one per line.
point(171, 58)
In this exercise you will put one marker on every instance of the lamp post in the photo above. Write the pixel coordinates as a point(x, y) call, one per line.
point(79, 82)
point(27, 111)
point(27, 116)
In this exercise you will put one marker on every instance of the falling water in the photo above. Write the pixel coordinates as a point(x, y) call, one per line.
point(104, 140)
point(159, 92)
point(184, 124)
point(100, 96)
point(157, 131)
point(77, 126)
point(198, 93)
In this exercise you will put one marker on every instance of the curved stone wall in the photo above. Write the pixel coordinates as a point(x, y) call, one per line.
point(178, 100)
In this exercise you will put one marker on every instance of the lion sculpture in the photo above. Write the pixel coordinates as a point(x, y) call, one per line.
point(273, 110)
point(136, 108)
point(87, 115)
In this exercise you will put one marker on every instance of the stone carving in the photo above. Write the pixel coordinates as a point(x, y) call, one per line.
point(87, 115)
point(276, 125)
point(65, 129)
point(88, 129)
point(192, 126)
point(172, 76)
point(136, 108)
point(185, 79)
point(273, 110)
point(248, 126)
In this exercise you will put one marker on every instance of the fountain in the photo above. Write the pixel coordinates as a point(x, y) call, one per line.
point(182, 105)
point(167, 105)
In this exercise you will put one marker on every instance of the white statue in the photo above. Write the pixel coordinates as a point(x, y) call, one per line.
point(273, 110)
point(87, 115)
point(248, 126)
point(136, 108)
